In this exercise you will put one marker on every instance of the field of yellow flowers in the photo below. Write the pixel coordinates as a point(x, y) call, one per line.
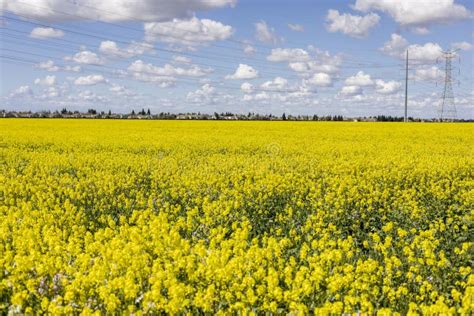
point(152, 217)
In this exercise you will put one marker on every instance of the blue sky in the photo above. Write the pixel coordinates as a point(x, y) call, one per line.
point(297, 57)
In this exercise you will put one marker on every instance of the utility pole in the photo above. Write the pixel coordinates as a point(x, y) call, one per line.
point(406, 90)
point(448, 108)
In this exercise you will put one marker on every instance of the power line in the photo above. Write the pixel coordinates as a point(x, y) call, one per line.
point(102, 38)
point(131, 28)
point(60, 47)
point(113, 73)
point(358, 62)
point(207, 56)
point(136, 19)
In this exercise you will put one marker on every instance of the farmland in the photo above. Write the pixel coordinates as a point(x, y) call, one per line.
point(235, 217)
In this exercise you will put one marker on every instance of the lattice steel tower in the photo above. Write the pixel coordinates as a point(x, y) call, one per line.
point(447, 110)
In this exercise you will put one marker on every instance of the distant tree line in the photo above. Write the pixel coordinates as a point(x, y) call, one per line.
point(250, 116)
point(385, 118)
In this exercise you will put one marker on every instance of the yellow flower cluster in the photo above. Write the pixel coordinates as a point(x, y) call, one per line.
point(133, 217)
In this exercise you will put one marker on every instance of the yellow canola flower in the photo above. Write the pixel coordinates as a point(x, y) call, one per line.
point(167, 217)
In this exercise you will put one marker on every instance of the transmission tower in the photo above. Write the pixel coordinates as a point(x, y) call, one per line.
point(447, 111)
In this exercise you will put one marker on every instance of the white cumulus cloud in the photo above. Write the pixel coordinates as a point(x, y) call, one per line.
point(352, 25)
point(417, 13)
point(111, 48)
point(205, 94)
point(247, 87)
point(249, 49)
point(360, 79)
point(351, 90)
point(189, 32)
point(462, 46)
point(181, 60)
point(319, 79)
point(420, 30)
point(46, 81)
point(167, 70)
point(121, 90)
point(296, 27)
point(21, 91)
point(86, 57)
point(71, 68)
point(112, 10)
point(397, 47)
point(243, 72)
point(288, 55)
point(50, 66)
point(266, 34)
point(166, 75)
point(276, 84)
point(428, 73)
point(323, 61)
point(90, 96)
point(90, 80)
point(46, 32)
point(387, 87)
point(426, 52)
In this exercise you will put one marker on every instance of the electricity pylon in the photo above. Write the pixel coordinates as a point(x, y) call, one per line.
point(447, 110)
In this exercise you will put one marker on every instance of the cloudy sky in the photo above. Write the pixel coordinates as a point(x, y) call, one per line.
point(298, 57)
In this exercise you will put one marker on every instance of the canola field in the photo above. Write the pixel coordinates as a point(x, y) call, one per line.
point(169, 217)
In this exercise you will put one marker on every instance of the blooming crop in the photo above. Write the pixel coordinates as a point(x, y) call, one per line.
point(132, 217)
